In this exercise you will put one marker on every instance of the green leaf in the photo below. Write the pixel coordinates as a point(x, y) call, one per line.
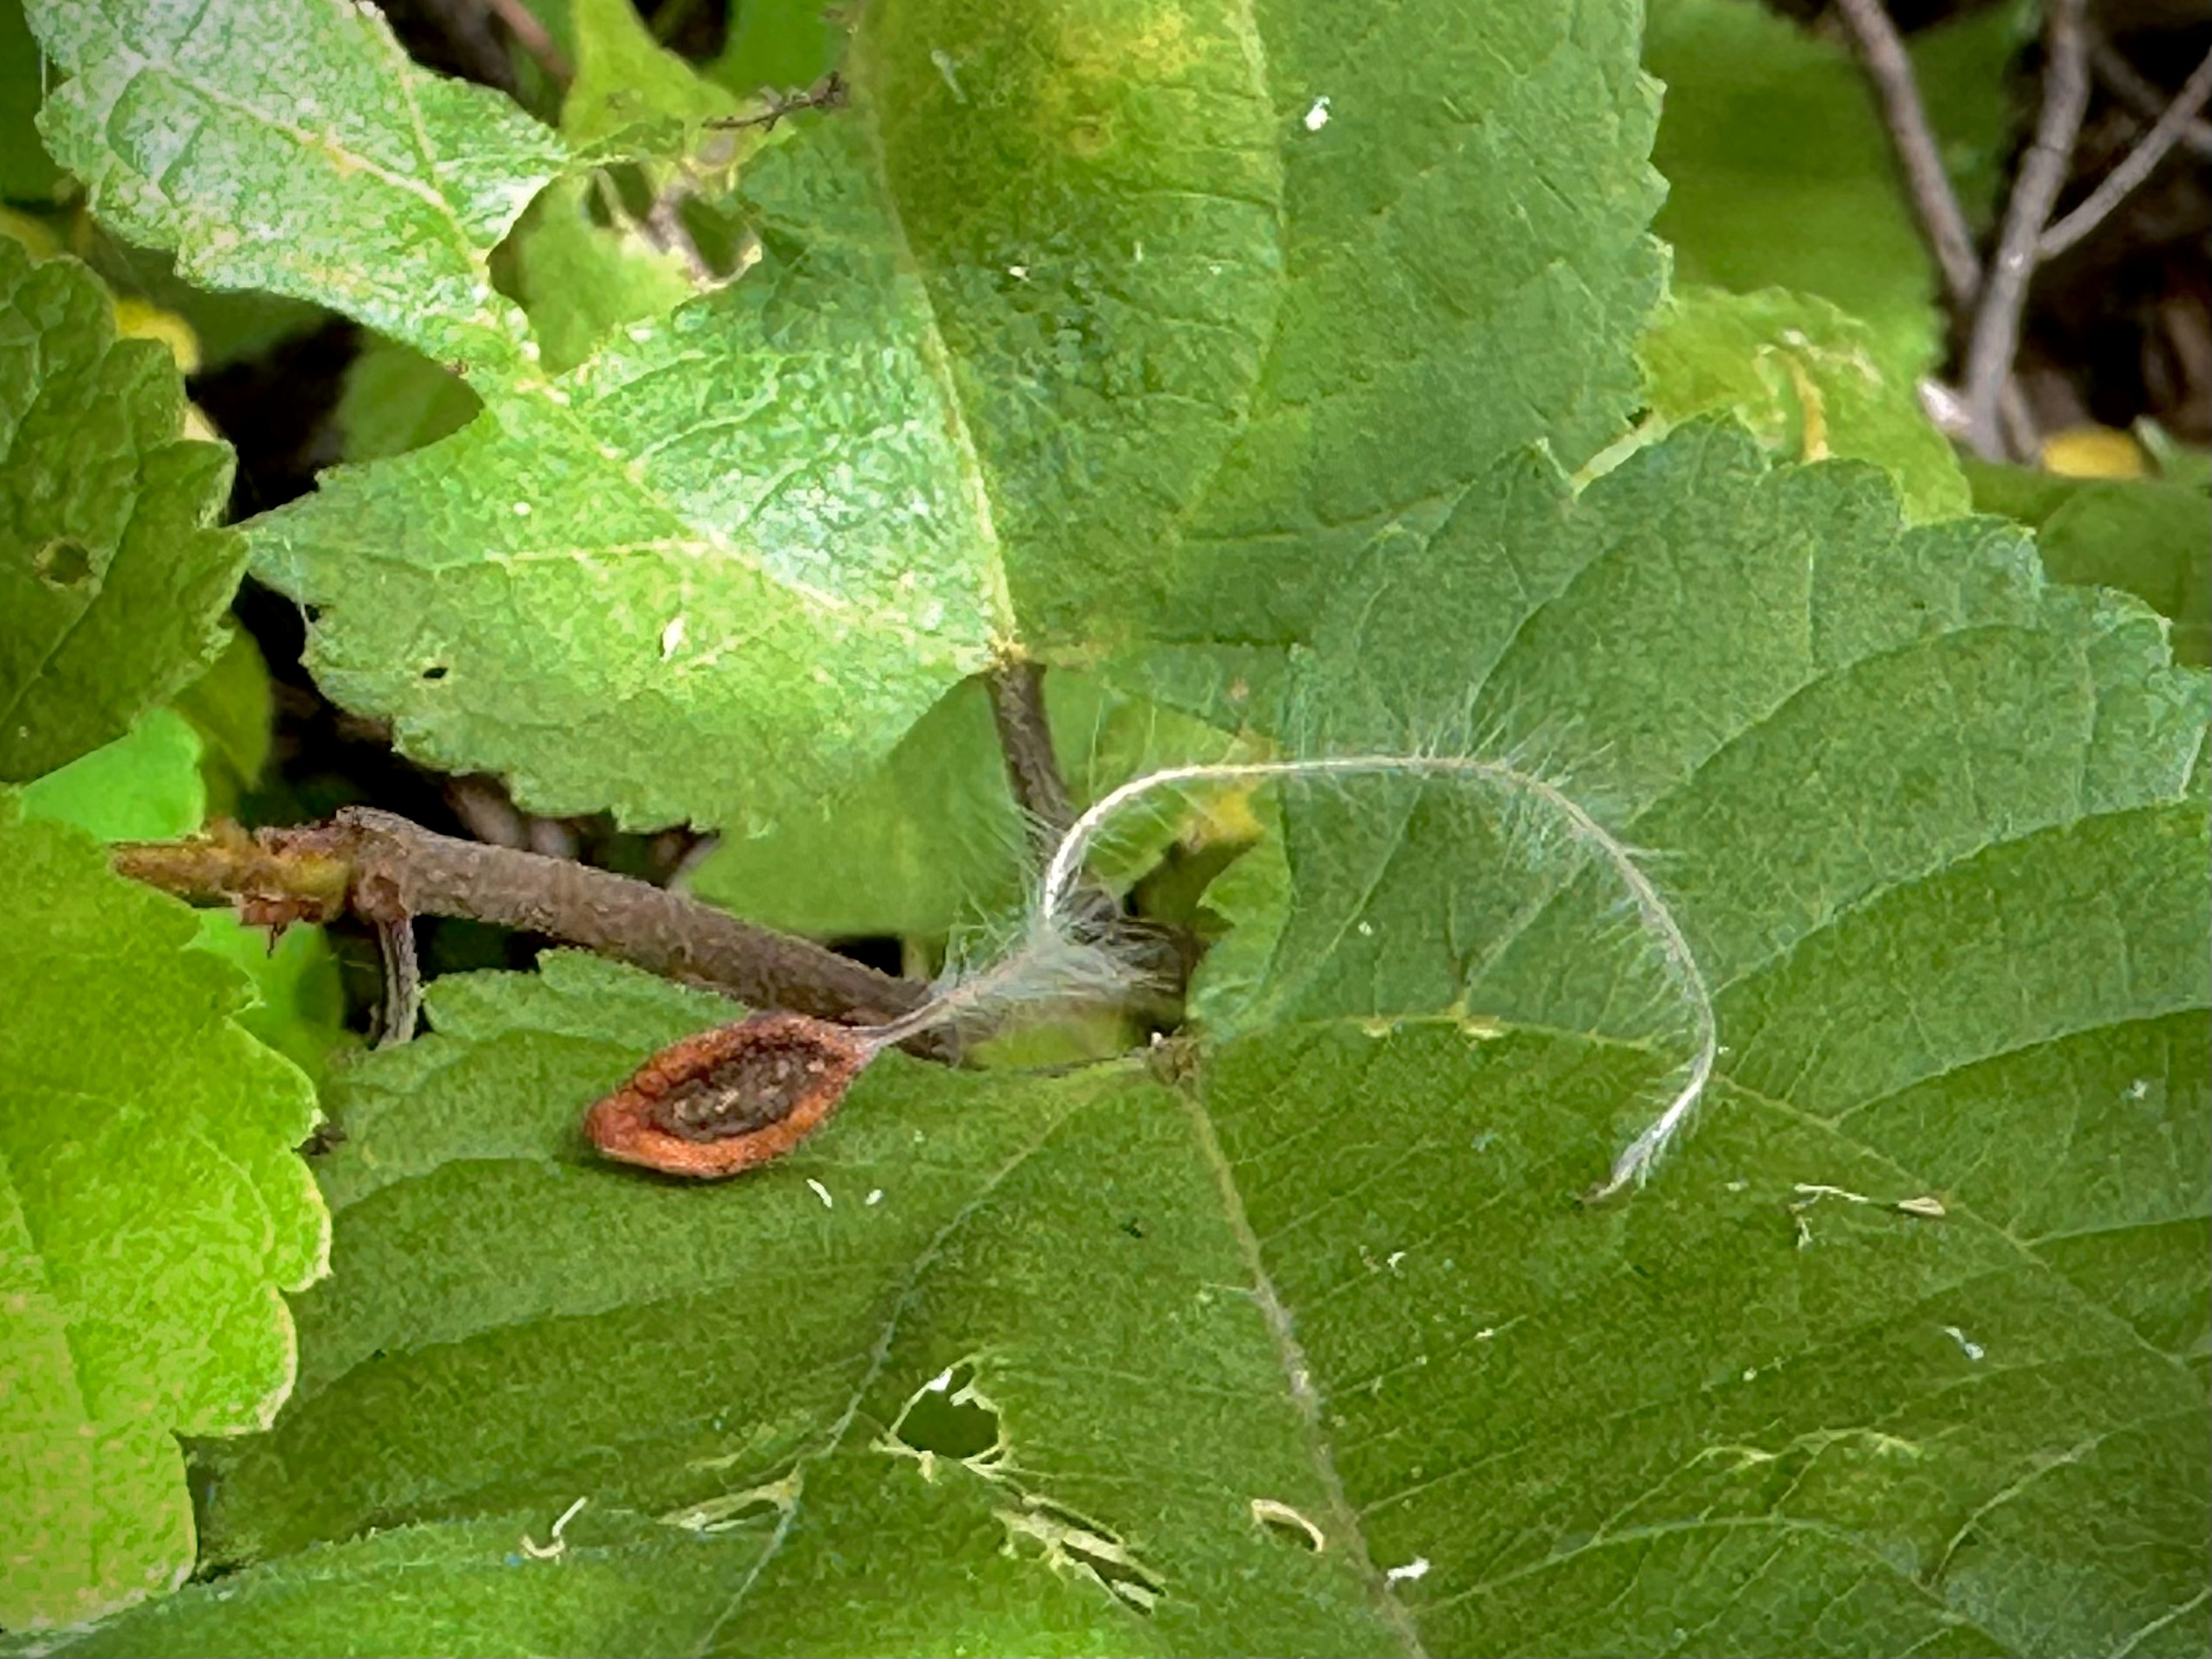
point(149, 786)
point(582, 280)
point(789, 1436)
point(1781, 175)
point(395, 399)
point(294, 149)
point(233, 709)
point(783, 44)
point(1140, 318)
point(231, 326)
point(1223, 289)
point(626, 1584)
point(112, 579)
point(1902, 1350)
point(150, 1210)
point(591, 255)
point(1686, 1425)
point(1741, 669)
point(932, 840)
point(27, 173)
point(1078, 1334)
point(624, 77)
point(2148, 539)
point(1806, 379)
point(2145, 536)
point(145, 786)
point(298, 1007)
point(635, 591)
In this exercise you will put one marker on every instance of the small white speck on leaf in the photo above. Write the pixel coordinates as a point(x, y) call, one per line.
point(522, 509)
point(1967, 1345)
point(822, 1192)
point(1019, 273)
point(943, 59)
point(639, 334)
point(939, 1383)
point(875, 1196)
point(1317, 117)
point(1367, 930)
point(1395, 1258)
point(1416, 1568)
point(2140, 1089)
point(671, 638)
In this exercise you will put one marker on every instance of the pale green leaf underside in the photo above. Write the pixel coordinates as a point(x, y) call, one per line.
point(113, 581)
point(151, 1207)
point(699, 575)
point(289, 145)
point(1809, 382)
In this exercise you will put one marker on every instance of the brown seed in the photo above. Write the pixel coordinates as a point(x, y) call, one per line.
point(727, 1099)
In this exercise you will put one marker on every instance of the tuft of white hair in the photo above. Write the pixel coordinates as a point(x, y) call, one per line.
point(1063, 953)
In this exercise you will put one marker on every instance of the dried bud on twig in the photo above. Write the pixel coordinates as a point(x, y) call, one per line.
point(730, 1098)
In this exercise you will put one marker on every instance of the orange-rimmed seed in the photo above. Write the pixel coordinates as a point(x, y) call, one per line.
point(725, 1100)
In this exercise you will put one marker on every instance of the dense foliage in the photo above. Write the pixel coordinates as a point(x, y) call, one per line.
point(1302, 377)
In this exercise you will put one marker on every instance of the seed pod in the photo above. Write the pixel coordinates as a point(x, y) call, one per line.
point(730, 1098)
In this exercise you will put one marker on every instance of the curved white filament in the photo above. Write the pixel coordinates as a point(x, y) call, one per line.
point(1053, 962)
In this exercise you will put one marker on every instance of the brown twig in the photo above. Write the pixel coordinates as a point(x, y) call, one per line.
point(2137, 165)
point(531, 36)
point(384, 868)
point(2114, 70)
point(831, 92)
point(1994, 338)
point(1032, 768)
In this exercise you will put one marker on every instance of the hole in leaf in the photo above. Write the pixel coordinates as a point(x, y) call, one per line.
point(436, 670)
point(63, 562)
point(1069, 1540)
point(1286, 1523)
point(949, 1418)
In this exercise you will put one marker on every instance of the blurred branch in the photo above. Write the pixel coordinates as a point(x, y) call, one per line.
point(1995, 335)
point(2137, 165)
point(489, 814)
point(2113, 69)
point(533, 37)
point(475, 50)
point(387, 869)
point(1934, 203)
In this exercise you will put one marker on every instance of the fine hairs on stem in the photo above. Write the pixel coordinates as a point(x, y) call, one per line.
point(1056, 960)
